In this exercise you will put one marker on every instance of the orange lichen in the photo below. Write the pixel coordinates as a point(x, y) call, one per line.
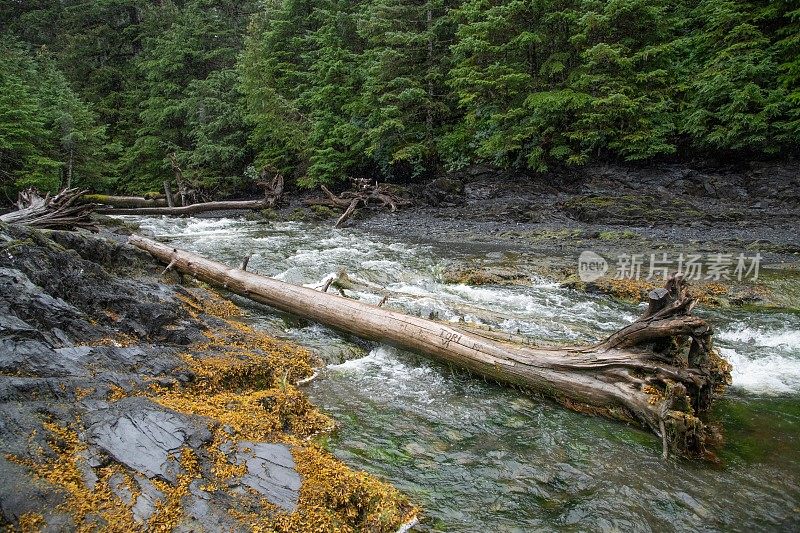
point(335, 498)
point(654, 394)
point(223, 469)
point(169, 511)
point(212, 304)
point(708, 293)
point(81, 393)
point(115, 393)
point(30, 523)
point(120, 340)
point(91, 509)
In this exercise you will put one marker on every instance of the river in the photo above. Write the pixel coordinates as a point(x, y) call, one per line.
point(481, 457)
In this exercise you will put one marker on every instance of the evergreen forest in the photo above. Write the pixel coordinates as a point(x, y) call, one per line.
point(103, 94)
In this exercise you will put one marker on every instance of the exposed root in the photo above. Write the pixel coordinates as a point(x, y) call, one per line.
point(58, 212)
point(364, 194)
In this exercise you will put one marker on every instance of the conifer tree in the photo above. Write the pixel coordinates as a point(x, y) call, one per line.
point(735, 100)
point(405, 63)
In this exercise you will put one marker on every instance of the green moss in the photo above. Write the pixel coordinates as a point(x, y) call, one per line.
point(299, 215)
point(617, 235)
point(268, 214)
point(322, 211)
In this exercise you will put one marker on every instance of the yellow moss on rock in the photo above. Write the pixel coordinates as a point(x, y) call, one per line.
point(244, 381)
point(169, 511)
point(30, 523)
point(91, 509)
point(244, 384)
point(335, 498)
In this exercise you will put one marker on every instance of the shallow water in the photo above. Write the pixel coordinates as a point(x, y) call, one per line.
point(477, 456)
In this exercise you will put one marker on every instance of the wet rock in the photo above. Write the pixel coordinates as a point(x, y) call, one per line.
point(118, 486)
point(147, 501)
point(484, 275)
point(31, 305)
point(271, 472)
point(444, 191)
point(144, 436)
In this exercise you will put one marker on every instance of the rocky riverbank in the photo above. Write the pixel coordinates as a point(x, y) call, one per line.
point(540, 224)
point(128, 401)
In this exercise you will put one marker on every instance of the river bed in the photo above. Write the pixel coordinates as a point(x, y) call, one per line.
point(481, 457)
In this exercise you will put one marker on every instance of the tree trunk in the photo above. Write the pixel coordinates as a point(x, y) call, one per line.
point(182, 190)
point(192, 209)
point(62, 211)
point(168, 194)
point(69, 169)
point(660, 373)
point(123, 201)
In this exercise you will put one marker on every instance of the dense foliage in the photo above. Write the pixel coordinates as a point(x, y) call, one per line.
point(105, 93)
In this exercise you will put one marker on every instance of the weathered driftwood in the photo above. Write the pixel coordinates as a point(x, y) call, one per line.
point(660, 373)
point(192, 209)
point(365, 194)
point(273, 194)
point(123, 201)
point(62, 211)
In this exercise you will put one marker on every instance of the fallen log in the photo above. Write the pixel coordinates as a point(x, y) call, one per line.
point(62, 211)
point(366, 195)
point(192, 209)
point(660, 373)
point(273, 193)
point(123, 201)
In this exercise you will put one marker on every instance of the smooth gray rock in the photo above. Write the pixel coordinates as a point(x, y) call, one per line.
point(147, 500)
point(144, 436)
point(271, 471)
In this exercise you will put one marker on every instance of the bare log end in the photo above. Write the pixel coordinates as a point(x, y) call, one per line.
point(687, 406)
point(677, 368)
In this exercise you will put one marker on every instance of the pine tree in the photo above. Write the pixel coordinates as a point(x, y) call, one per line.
point(50, 137)
point(734, 101)
point(188, 98)
point(626, 51)
point(23, 160)
point(335, 147)
point(403, 97)
point(75, 136)
point(273, 70)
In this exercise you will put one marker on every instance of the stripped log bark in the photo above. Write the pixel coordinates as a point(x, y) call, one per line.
point(273, 194)
point(123, 201)
point(62, 211)
point(661, 373)
point(365, 195)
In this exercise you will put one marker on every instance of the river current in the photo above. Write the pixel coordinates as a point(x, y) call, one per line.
point(477, 456)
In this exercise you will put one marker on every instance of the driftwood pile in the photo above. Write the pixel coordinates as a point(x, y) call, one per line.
point(273, 191)
point(364, 194)
point(62, 211)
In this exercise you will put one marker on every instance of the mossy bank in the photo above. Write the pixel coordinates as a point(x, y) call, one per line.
point(130, 402)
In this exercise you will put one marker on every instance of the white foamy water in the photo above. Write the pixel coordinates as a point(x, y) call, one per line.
point(381, 375)
point(765, 357)
point(788, 339)
point(772, 374)
point(765, 350)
